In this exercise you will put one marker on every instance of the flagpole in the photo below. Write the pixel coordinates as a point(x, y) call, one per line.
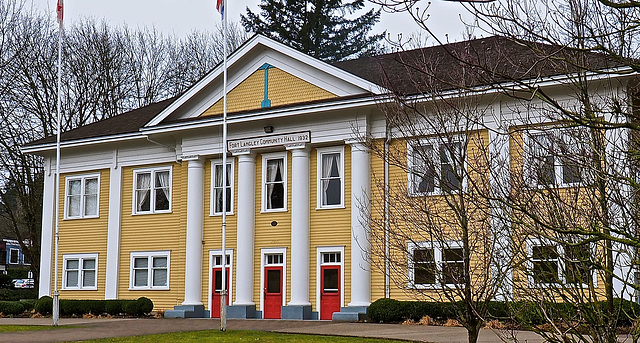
point(56, 291)
point(223, 300)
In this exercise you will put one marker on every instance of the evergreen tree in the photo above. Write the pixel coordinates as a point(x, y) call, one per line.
point(317, 27)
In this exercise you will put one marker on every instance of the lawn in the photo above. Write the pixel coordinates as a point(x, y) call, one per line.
point(14, 328)
point(239, 336)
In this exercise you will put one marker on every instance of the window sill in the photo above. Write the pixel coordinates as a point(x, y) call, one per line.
point(274, 211)
point(335, 207)
point(219, 214)
point(85, 217)
point(80, 289)
point(147, 213)
point(148, 288)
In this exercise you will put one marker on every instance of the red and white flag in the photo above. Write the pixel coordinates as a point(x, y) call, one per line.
point(219, 6)
point(60, 12)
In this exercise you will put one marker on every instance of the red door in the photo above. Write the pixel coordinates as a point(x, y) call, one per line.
point(329, 291)
point(217, 289)
point(272, 292)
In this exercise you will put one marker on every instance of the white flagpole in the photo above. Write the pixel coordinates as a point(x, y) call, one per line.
point(223, 298)
point(56, 292)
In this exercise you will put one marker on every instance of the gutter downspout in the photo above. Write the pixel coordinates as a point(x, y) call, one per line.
point(387, 283)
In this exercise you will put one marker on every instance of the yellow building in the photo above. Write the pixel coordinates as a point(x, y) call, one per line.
point(141, 193)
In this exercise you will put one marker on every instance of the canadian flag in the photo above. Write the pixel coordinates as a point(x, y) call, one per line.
point(60, 11)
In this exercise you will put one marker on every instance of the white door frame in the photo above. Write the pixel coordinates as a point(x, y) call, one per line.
point(320, 251)
point(263, 263)
point(212, 254)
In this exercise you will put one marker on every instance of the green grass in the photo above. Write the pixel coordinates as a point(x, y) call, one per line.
point(15, 328)
point(239, 336)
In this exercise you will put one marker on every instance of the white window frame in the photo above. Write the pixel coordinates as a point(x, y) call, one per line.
point(18, 251)
point(212, 264)
point(83, 179)
point(263, 263)
point(557, 134)
point(149, 255)
point(320, 263)
point(561, 266)
point(320, 152)
point(273, 156)
point(152, 200)
point(437, 248)
point(81, 258)
point(214, 163)
point(435, 142)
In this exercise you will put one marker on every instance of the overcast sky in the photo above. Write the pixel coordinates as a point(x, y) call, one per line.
point(180, 17)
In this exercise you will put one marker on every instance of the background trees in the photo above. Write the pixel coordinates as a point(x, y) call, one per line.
point(106, 71)
point(319, 28)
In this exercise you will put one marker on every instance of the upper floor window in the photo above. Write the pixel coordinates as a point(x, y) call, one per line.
point(152, 190)
point(81, 200)
point(330, 177)
point(218, 190)
point(274, 180)
point(436, 166)
point(80, 271)
point(552, 264)
point(556, 157)
point(14, 256)
point(150, 270)
point(431, 265)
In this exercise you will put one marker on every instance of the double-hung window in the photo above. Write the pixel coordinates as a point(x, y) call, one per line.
point(436, 166)
point(274, 180)
point(331, 177)
point(218, 191)
point(80, 271)
point(556, 157)
point(152, 190)
point(433, 265)
point(81, 199)
point(554, 264)
point(150, 270)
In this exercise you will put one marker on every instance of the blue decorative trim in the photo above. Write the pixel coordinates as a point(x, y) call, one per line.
point(266, 102)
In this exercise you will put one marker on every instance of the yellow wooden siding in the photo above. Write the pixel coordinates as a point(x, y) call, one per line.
point(283, 89)
point(80, 236)
point(330, 227)
point(155, 232)
point(267, 236)
point(212, 235)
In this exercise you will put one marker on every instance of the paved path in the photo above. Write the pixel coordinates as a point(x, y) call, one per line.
point(105, 328)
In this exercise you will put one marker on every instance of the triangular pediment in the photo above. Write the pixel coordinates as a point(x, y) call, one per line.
point(263, 73)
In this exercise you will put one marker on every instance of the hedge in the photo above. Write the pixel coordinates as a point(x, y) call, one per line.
point(68, 307)
point(523, 312)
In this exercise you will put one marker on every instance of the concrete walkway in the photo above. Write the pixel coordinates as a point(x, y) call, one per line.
point(105, 328)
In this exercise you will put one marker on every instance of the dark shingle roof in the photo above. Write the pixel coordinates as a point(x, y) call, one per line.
point(127, 122)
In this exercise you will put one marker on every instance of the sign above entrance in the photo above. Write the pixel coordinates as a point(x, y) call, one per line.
point(286, 139)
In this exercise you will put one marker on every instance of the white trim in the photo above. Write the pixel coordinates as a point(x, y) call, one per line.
point(213, 253)
point(319, 264)
point(273, 156)
point(435, 143)
point(80, 258)
point(83, 178)
point(149, 255)
point(437, 259)
point(319, 153)
point(152, 200)
point(273, 251)
point(113, 233)
point(231, 179)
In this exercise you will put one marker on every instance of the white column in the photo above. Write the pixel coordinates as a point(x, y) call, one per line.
point(360, 209)
point(195, 213)
point(246, 229)
point(299, 226)
point(46, 240)
point(113, 233)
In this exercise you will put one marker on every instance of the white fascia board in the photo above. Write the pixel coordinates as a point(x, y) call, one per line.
point(279, 47)
point(268, 114)
point(36, 149)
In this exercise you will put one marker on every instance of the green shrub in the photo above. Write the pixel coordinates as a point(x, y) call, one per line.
point(11, 307)
point(44, 305)
point(133, 308)
point(386, 311)
point(145, 305)
point(13, 294)
point(28, 304)
point(113, 307)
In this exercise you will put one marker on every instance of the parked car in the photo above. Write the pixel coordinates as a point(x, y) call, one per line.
point(23, 283)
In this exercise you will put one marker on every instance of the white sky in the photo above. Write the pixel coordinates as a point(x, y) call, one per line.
point(180, 17)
